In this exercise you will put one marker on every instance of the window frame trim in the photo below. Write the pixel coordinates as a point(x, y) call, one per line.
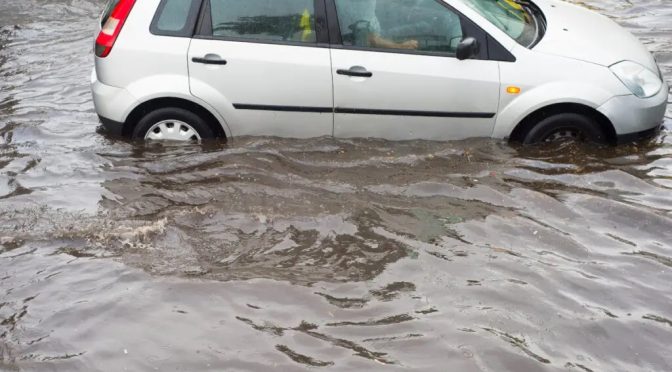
point(484, 39)
point(204, 29)
point(328, 34)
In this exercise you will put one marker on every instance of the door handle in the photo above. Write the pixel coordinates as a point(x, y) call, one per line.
point(209, 60)
point(357, 71)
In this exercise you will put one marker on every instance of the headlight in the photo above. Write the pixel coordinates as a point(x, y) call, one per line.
point(641, 81)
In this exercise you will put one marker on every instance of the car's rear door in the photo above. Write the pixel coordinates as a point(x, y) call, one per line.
point(382, 89)
point(265, 66)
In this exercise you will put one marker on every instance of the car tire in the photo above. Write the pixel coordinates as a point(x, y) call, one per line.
point(565, 127)
point(172, 123)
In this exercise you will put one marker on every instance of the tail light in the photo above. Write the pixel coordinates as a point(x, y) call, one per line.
point(112, 27)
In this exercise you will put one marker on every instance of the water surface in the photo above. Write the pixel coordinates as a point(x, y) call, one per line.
point(322, 254)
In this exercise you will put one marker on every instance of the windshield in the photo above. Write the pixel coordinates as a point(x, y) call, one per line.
point(518, 19)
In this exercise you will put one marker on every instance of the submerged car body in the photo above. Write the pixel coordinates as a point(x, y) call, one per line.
point(186, 69)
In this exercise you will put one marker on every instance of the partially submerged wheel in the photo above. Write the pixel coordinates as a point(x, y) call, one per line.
point(565, 127)
point(172, 124)
point(172, 130)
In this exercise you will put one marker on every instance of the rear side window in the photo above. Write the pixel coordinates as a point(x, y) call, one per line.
point(264, 20)
point(175, 18)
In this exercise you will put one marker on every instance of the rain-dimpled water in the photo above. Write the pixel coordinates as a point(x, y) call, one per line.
point(321, 254)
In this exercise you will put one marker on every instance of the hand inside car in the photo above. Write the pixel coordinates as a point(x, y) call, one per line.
point(378, 41)
point(409, 44)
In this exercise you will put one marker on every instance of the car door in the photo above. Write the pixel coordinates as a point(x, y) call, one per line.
point(396, 74)
point(265, 66)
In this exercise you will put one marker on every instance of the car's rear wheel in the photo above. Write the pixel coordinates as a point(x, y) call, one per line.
point(565, 127)
point(172, 124)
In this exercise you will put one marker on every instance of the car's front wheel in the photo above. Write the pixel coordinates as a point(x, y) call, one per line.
point(565, 127)
point(172, 124)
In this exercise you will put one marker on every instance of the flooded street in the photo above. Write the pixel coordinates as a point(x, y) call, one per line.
point(324, 254)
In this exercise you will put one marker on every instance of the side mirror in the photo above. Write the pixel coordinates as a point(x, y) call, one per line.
point(467, 48)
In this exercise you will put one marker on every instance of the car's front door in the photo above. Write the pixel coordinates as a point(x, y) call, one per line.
point(265, 66)
point(396, 74)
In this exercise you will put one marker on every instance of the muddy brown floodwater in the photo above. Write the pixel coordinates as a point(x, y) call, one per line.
point(318, 254)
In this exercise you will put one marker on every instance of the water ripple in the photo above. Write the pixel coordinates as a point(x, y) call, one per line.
point(337, 254)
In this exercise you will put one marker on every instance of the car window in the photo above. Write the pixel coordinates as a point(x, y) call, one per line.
point(264, 20)
point(422, 25)
point(516, 19)
point(174, 14)
point(107, 11)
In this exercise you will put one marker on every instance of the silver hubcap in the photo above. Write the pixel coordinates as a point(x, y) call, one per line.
point(172, 130)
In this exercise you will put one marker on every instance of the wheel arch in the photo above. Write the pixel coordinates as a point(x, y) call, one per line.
point(529, 121)
point(218, 125)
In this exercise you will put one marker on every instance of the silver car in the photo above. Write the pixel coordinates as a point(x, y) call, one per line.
point(397, 69)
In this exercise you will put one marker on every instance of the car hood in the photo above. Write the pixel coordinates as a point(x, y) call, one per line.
point(578, 33)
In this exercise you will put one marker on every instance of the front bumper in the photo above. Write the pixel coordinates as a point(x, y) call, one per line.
point(637, 136)
point(633, 117)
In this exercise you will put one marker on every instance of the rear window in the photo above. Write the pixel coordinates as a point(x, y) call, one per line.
point(111, 4)
point(264, 20)
point(175, 18)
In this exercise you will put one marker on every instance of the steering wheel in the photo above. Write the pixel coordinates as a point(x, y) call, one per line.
point(359, 33)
